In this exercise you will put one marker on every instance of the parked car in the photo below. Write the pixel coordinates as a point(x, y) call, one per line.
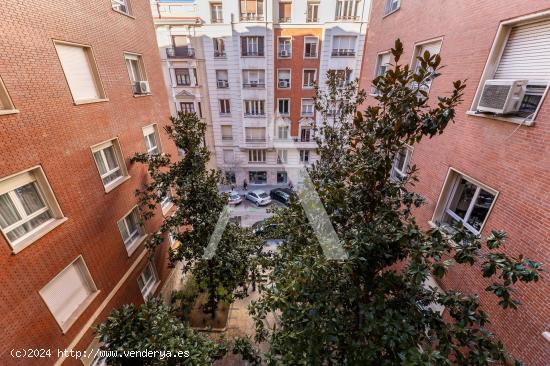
point(281, 194)
point(234, 198)
point(262, 228)
point(259, 197)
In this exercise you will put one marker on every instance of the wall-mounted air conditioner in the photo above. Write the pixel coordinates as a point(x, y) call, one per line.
point(284, 83)
point(284, 53)
point(144, 87)
point(502, 96)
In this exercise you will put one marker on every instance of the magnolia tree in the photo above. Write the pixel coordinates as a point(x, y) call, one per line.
point(375, 307)
point(198, 206)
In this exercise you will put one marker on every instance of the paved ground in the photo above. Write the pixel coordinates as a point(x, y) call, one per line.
point(247, 211)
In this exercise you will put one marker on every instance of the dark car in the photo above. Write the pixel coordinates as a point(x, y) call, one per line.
point(281, 194)
point(261, 228)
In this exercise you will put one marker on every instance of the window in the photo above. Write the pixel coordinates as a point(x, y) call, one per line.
point(147, 281)
point(183, 77)
point(252, 46)
point(109, 161)
point(305, 134)
point(200, 109)
point(187, 107)
point(256, 177)
point(131, 230)
point(282, 132)
point(252, 10)
point(283, 76)
point(165, 199)
point(228, 156)
point(285, 47)
point(256, 156)
point(253, 78)
point(310, 47)
point(216, 15)
point(28, 208)
point(222, 79)
point(304, 156)
point(81, 72)
point(151, 136)
point(520, 53)
point(343, 77)
point(391, 6)
point(255, 134)
point(309, 78)
point(307, 107)
point(6, 105)
point(282, 177)
point(343, 46)
point(254, 108)
point(312, 14)
point(69, 293)
point(225, 107)
point(284, 107)
point(282, 156)
point(285, 11)
point(382, 65)
point(465, 201)
point(401, 163)
point(219, 47)
point(419, 50)
point(346, 9)
point(122, 6)
point(227, 133)
point(230, 176)
point(136, 71)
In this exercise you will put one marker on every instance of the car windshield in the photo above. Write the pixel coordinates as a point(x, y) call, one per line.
point(263, 195)
point(234, 196)
point(284, 195)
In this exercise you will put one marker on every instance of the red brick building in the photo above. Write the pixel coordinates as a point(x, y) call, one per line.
point(81, 91)
point(491, 171)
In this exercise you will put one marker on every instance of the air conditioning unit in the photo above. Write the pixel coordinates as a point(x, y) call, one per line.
point(144, 87)
point(253, 83)
point(502, 96)
point(284, 83)
point(284, 53)
point(223, 83)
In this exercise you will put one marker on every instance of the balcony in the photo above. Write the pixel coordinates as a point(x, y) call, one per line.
point(251, 17)
point(346, 17)
point(180, 52)
point(252, 53)
point(222, 84)
point(217, 20)
point(219, 54)
point(285, 20)
point(227, 138)
point(254, 85)
point(312, 20)
point(342, 52)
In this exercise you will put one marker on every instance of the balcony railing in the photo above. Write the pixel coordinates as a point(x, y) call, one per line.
point(254, 114)
point(227, 138)
point(312, 20)
point(217, 20)
point(307, 113)
point(254, 85)
point(255, 139)
point(310, 54)
point(285, 20)
point(252, 53)
point(180, 52)
point(346, 17)
point(343, 52)
point(220, 54)
point(251, 17)
point(222, 84)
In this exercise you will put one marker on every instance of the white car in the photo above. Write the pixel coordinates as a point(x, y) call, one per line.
point(234, 198)
point(259, 197)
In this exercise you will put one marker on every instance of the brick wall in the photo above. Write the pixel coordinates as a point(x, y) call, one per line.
point(513, 160)
point(52, 132)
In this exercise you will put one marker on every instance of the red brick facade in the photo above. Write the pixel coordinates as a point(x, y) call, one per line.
point(513, 160)
point(51, 131)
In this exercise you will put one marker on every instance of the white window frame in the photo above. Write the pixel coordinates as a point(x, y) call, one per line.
point(416, 53)
point(151, 284)
point(225, 107)
point(447, 194)
point(117, 4)
point(149, 130)
point(312, 108)
point(391, 6)
point(36, 176)
point(88, 279)
point(310, 6)
point(346, 9)
point(186, 110)
point(304, 78)
point(120, 161)
point(303, 154)
point(257, 156)
point(310, 38)
point(280, 134)
point(282, 156)
point(256, 107)
point(378, 66)
point(396, 172)
point(352, 45)
point(132, 245)
point(289, 49)
point(279, 100)
point(222, 78)
point(226, 137)
point(248, 137)
point(216, 43)
point(492, 63)
point(254, 76)
point(6, 104)
point(279, 71)
point(225, 156)
point(217, 9)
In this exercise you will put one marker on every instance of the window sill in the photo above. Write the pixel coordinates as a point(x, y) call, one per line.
point(123, 13)
point(308, 87)
point(516, 120)
point(37, 235)
point(142, 95)
point(78, 312)
point(116, 183)
point(391, 12)
point(8, 111)
point(80, 102)
point(311, 57)
point(136, 244)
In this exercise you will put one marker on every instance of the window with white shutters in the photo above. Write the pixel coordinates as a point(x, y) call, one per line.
point(343, 46)
point(68, 292)
point(147, 280)
point(283, 78)
point(108, 158)
point(382, 64)
point(255, 134)
point(254, 108)
point(131, 230)
point(227, 133)
point(80, 71)
point(432, 48)
point(151, 137)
